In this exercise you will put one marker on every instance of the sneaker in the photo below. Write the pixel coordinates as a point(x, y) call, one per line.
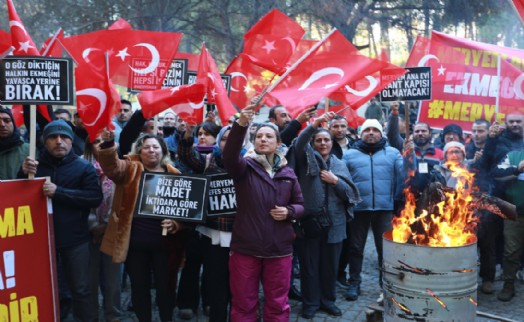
point(380, 299)
point(352, 292)
point(507, 293)
point(487, 287)
point(186, 314)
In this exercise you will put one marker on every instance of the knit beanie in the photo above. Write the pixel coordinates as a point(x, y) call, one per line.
point(8, 112)
point(371, 123)
point(454, 144)
point(452, 128)
point(58, 127)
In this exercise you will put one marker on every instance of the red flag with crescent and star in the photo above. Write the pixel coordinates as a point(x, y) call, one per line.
point(24, 46)
point(96, 98)
point(20, 38)
point(247, 81)
point(471, 81)
point(209, 76)
point(138, 59)
point(271, 42)
point(358, 92)
point(332, 65)
point(184, 100)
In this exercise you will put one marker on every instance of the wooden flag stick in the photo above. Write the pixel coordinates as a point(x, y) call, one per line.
point(32, 136)
point(406, 118)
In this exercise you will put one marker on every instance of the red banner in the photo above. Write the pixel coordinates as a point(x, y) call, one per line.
point(28, 287)
point(471, 82)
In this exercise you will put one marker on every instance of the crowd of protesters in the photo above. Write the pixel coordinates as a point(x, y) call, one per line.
point(285, 171)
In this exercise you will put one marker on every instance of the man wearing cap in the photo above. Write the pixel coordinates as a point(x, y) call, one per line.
point(376, 169)
point(74, 189)
point(13, 149)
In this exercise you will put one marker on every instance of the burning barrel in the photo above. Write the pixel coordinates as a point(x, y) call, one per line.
point(423, 283)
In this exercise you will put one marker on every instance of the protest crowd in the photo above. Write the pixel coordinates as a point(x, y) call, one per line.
point(309, 183)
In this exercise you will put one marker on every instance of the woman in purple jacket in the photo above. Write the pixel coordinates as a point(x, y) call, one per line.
point(269, 199)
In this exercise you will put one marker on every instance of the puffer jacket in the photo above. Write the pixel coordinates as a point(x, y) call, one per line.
point(376, 175)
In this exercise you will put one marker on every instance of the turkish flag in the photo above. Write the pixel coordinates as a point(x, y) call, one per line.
point(18, 114)
point(270, 43)
point(187, 101)
point(335, 63)
point(136, 57)
point(120, 24)
point(358, 92)
point(247, 81)
point(20, 38)
point(51, 47)
point(209, 76)
point(96, 98)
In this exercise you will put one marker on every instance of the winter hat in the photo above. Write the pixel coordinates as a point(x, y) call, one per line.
point(454, 144)
point(371, 123)
point(58, 127)
point(453, 128)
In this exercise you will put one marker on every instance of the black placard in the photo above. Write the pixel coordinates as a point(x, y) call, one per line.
point(171, 196)
point(415, 85)
point(36, 80)
point(222, 195)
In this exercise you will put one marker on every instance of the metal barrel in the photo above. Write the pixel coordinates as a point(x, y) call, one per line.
point(424, 283)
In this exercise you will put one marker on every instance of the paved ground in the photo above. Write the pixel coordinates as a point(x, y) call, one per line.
point(357, 310)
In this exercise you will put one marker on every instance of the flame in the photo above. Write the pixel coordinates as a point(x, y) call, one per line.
point(451, 224)
point(473, 301)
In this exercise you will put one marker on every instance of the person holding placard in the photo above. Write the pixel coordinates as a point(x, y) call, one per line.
point(139, 241)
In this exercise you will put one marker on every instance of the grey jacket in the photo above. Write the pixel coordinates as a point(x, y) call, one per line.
point(341, 196)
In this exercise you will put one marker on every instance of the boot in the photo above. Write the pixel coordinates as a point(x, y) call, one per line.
point(507, 293)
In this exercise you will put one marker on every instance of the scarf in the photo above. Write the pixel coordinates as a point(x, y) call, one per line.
point(370, 148)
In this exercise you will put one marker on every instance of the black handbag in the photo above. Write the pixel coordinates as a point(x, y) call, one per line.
point(317, 224)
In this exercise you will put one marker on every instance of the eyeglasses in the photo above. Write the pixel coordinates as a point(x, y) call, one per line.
point(454, 151)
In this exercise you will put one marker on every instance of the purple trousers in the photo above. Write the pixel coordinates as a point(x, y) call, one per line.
point(245, 273)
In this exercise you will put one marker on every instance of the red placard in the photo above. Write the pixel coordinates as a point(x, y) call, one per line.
point(28, 287)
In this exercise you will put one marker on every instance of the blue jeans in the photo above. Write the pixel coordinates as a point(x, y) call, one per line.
point(75, 264)
point(380, 222)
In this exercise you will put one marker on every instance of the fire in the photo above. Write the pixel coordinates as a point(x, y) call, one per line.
point(449, 222)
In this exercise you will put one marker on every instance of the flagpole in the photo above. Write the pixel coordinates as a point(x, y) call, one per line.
point(497, 99)
point(32, 135)
point(294, 66)
point(51, 43)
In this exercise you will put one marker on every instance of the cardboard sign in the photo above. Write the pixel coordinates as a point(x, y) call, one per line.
point(415, 85)
point(171, 196)
point(222, 195)
point(36, 80)
point(28, 285)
